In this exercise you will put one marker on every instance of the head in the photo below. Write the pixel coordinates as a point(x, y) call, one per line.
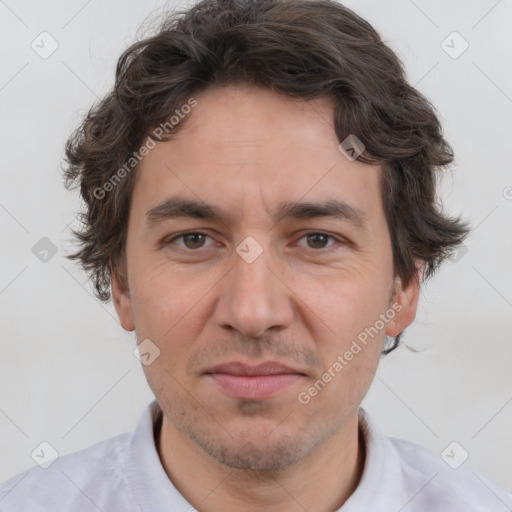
point(228, 225)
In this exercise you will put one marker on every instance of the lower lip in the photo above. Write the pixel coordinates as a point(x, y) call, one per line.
point(256, 387)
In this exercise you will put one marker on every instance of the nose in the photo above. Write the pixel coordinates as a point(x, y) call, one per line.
point(254, 296)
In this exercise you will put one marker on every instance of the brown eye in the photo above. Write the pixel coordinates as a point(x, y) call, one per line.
point(191, 241)
point(194, 240)
point(318, 240)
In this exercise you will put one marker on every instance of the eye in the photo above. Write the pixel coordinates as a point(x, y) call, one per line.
point(192, 240)
point(318, 240)
point(195, 240)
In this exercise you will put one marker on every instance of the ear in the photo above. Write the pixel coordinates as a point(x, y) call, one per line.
point(122, 301)
point(405, 303)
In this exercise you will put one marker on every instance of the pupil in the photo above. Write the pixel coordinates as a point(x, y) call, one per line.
point(317, 236)
point(193, 236)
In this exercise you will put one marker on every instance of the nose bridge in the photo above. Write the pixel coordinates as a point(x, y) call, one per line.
point(251, 269)
point(254, 299)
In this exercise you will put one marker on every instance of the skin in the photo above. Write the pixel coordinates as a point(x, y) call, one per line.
point(302, 302)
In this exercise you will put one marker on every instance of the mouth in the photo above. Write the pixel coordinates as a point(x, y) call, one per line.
point(260, 382)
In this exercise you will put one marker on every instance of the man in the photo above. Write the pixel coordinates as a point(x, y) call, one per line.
point(260, 206)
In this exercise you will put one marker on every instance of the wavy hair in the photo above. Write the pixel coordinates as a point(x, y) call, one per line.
point(301, 48)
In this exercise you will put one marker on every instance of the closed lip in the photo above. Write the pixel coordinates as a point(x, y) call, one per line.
point(245, 370)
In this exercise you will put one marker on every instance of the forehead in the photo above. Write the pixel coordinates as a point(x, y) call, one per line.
point(248, 149)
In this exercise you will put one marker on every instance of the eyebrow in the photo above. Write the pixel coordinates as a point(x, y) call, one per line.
point(181, 207)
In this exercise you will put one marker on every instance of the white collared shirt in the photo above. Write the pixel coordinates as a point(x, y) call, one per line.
point(124, 474)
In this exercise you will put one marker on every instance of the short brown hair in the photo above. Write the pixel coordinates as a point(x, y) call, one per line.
point(301, 48)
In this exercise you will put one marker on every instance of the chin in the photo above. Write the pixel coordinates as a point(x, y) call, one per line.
point(270, 457)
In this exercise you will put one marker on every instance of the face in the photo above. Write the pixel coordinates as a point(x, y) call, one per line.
point(228, 268)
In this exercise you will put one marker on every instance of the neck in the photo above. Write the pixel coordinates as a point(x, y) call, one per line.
point(323, 481)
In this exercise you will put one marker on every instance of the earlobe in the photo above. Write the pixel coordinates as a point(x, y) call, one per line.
point(405, 304)
point(122, 302)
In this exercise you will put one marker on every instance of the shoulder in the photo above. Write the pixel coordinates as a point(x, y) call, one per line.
point(80, 481)
point(449, 486)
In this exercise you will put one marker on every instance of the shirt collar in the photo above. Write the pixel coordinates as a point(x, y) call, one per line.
point(152, 489)
point(381, 482)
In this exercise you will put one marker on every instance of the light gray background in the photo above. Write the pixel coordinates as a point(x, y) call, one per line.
point(67, 372)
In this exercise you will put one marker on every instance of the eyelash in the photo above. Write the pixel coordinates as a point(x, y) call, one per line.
point(182, 235)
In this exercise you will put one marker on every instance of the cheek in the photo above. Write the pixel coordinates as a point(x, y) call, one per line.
point(345, 312)
point(345, 302)
point(163, 299)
